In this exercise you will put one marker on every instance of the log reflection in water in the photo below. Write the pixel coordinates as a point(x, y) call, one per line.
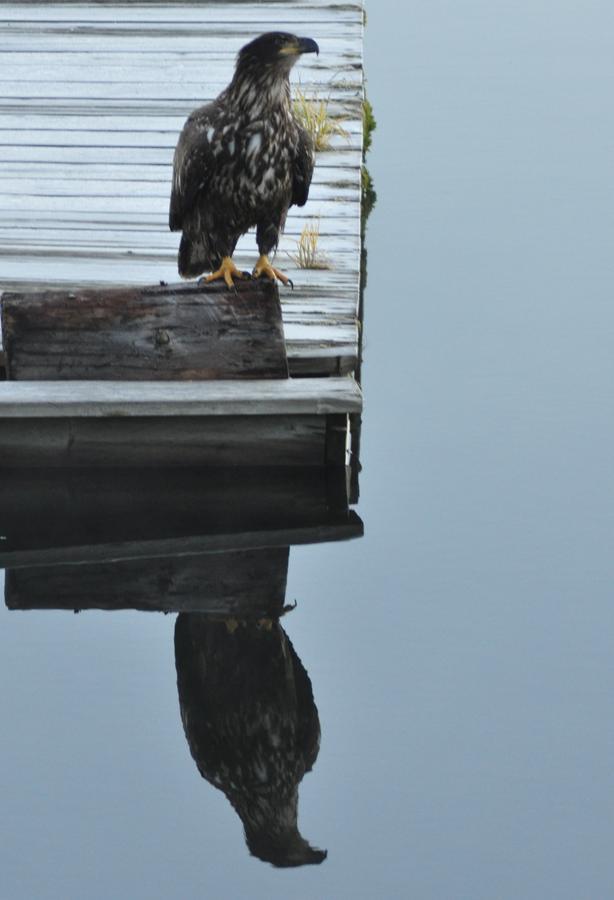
point(251, 724)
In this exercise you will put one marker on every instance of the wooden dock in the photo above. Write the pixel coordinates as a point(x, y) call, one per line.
point(92, 99)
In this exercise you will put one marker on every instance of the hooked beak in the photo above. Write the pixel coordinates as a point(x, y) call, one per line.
point(307, 45)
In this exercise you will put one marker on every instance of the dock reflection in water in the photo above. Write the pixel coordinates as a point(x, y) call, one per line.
point(214, 547)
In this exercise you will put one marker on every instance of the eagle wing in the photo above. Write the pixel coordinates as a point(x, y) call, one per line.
point(304, 162)
point(192, 164)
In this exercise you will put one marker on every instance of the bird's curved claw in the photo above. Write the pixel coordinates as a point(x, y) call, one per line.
point(263, 268)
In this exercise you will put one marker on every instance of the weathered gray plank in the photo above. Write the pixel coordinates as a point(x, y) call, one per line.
point(68, 9)
point(171, 11)
point(166, 332)
point(218, 399)
point(149, 245)
point(33, 123)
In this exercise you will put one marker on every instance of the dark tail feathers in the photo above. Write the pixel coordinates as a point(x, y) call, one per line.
point(193, 259)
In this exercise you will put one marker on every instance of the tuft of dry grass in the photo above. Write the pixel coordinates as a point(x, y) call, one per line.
point(312, 113)
point(308, 255)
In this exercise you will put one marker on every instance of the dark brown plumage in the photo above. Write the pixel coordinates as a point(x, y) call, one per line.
point(252, 726)
point(242, 161)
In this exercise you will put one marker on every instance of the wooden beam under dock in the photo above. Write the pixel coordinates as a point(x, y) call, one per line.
point(214, 423)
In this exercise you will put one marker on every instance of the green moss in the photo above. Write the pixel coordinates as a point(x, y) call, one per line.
point(368, 194)
point(368, 126)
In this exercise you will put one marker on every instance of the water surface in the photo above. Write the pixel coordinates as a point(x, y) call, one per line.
point(460, 654)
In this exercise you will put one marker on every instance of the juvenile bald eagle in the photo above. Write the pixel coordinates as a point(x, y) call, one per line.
point(242, 161)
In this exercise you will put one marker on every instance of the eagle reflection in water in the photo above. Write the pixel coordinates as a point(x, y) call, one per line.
point(251, 724)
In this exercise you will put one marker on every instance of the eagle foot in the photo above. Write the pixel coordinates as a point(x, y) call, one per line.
point(227, 271)
point(264, 268)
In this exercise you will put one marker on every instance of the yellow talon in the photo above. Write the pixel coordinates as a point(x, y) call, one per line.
point(264, 267)
point(226, 271)
point(231, 625)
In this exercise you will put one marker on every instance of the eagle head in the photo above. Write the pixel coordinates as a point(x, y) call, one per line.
point(275, 50)
point(284, 850)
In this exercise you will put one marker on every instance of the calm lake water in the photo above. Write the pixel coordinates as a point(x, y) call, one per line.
point(460, 654)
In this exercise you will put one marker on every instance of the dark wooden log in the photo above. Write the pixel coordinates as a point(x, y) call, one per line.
point(174, 332)
point(76, 516)
point(242, 583)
